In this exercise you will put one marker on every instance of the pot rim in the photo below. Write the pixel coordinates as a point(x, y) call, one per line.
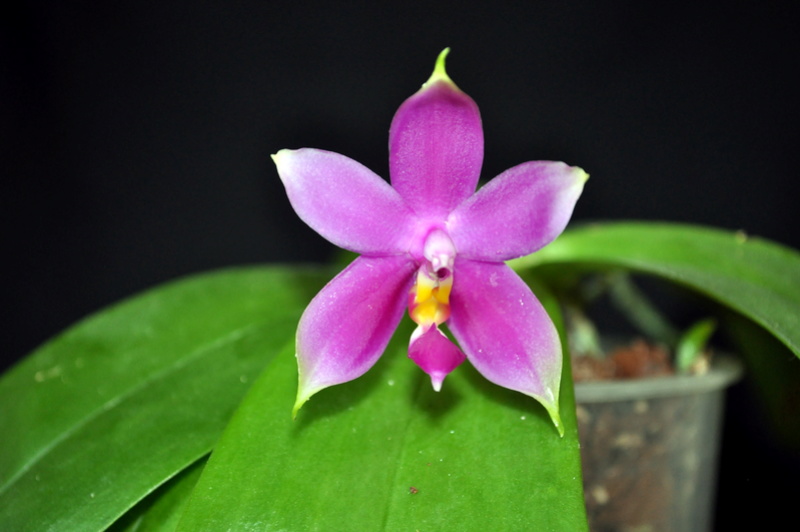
point(723, 372)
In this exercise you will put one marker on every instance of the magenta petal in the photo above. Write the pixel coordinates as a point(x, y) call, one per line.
point(436, 147)
point(517, 212)
point(345, 328)
point(505, 332)
point(435, 354)
point(344, 201)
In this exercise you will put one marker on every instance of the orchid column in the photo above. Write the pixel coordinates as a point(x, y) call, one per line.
point(430, 244)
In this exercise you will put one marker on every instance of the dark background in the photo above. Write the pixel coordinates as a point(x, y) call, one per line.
point(135, 136)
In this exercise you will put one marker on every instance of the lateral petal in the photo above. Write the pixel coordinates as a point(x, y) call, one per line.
point(505, 332)
point(518, 212)
point(344, 201)
point(436, 146)
point(345, 328)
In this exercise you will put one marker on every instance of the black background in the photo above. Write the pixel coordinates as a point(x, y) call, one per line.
point(135, 136)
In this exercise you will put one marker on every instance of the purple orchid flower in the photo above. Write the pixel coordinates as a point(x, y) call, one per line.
point(430, 243)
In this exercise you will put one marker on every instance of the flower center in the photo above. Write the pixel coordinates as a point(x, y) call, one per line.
point(429, 299)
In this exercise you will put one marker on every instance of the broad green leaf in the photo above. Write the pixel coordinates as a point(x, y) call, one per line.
point(102, 415)
point(385, 452)
point(756, 277)
point(161, 510)
point(775, 374)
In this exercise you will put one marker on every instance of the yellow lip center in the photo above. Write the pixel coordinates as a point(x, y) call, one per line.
point(429, 300)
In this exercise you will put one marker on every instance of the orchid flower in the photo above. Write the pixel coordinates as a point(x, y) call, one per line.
point(431, 244)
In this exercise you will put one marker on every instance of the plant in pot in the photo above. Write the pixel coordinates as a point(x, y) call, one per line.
point(173, 410)
point(649, 410)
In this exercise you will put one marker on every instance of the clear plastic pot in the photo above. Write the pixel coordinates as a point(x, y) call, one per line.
point(649, 449)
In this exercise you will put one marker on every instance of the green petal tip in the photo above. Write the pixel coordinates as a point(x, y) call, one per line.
point(555, 417)
point(298, 404)
point(439, 71)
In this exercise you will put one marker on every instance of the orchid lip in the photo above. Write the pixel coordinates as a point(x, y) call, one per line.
point(434, 353)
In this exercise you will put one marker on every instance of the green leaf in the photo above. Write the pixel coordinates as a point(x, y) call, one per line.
point(756, 277)
point(692, 344)
point(103, 414)
point(161, 510)
point(386, 452)
point(775, 373)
